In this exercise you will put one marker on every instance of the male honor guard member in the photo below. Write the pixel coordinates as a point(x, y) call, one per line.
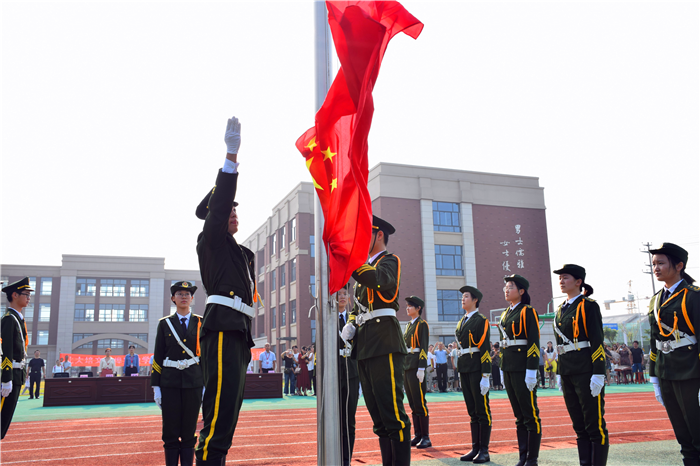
point(417, 336)
point(474, 366)
point(578, 328)
point(227, 270)
point(519, 328)
point(379, 347)
point(176, 376)
point(674, 360)
point(14, 349)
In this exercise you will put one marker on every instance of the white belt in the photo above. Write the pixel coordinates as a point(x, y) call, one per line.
point(669, 345)
point(234, 303)
point(473, 349)
point(182, 364)
point(507, 343)
point(562, 349)
point(414, 350)
point(345, 352)
point(365, 317)
point(17, 365)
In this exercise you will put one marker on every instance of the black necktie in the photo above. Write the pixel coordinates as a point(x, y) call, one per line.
point(183, 321)
point(664, 295)
point(342, 320)
point(565, 306)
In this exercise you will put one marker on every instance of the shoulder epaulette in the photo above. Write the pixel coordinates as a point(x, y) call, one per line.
point(166, 317)
point(693, 288)
point(197, 316)
point(589, 299)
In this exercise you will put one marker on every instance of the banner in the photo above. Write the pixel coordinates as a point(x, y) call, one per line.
point(93, 360)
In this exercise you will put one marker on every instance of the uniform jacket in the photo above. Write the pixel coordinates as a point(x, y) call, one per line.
point(416, 335)
point(168, 347)
point(377, 287)
point(581, 320)
point(683, 362)
point(12, 348)
point(520, 323)
point(347, 367)
point(475, 331)
point(227, 268)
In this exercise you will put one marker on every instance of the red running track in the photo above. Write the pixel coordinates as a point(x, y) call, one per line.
point(288, 437)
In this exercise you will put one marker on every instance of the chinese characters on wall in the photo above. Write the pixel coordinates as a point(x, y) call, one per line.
point(513, 252)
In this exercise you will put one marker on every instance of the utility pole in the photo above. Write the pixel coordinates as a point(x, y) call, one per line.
point(651, 270)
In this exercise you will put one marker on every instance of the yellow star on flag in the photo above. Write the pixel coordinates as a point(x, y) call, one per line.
point(328, 154)
point(316, 185)
point(308, 163)
point(334, 184)
point(312, 144)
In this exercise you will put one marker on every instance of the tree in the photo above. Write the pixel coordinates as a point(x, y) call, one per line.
point(610, 334)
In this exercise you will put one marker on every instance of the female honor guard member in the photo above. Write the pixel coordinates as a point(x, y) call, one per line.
point(674, 360)
point(349, 383)
point(578, 328)
point(176, 377)
point(520, 358)
point(474, 365)
point(416, 337)
point(379, 346)
point(14, 349)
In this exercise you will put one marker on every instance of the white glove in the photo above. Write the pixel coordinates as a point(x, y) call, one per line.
point(531, 378)
point(233, 136)
point(559, 382)
point(6, 389)
point(657, 390)
point(348, 332)
point(484, 386)
point(157, 396)
point(421, 374)
point(597, 384)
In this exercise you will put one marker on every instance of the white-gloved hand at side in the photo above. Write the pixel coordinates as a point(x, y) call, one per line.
point(421, 374)
point(484, 386)
point(157, 397)
point(531, 378)
point(233, 136)
point(597, 384)
point(6, 389)
point(348, 332)
point(657, 390)
point(559, 382)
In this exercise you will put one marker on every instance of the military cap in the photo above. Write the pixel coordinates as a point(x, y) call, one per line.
point(574, 270)
point(520, 280)
point(415, 301)
point(472, 291)
point(382, 225)
point(18, 286)
point(203, 207)
point(670, 249)
point(183, 286)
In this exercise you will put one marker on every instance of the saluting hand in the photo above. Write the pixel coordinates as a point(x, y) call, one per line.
point(233, 136)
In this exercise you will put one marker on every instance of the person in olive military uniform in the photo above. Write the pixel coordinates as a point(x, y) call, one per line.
point(14, 349)
point(578, 328)
point(473, 334)
point(228, 272)
point(349, 383)
point(519, 328)
point(674, 360)
point(379, 347)
point(176, 376)
point(417, 336)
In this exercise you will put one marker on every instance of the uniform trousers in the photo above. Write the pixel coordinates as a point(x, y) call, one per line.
point(442, 377)
point(349, 390)
point(382, 385)
point(586, 412)
point(180, 414)
point(415, 392)
point(224, 358)
point(681, 401)
point(523, 401)
point(477, 404)
point(9, 403)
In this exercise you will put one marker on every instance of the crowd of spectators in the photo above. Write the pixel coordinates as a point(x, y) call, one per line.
point(299, 371)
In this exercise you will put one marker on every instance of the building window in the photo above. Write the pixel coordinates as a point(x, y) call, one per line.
point(312, 285)
point(449, 305)
point(84, 312)
point(42, 337)
point(283, 275)
point(139, 288)
point(273, 280)
point(446, 216)
point(293, 310)
point(283, 315)
point(283, 243)
point(28, 312)
point(110, 343)
point(293, 268)
point(80, 336)
point(32, 283)
point(261, 262)
point(138, 313)
point(46, 285)
point(273, 317)
point(109, 287)
point(44, 312)
point(111, 313)
point(312, 246)
point(448, 260)
point(293, 229)
point(140, 336)
point(85, 287)
point(274, 245)
point(261, 326)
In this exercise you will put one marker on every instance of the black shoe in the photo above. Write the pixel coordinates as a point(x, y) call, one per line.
point(522, 445)
point(584, 452)
point(691, 462)
point(533, 448)
point(401, 452)
point(476, 446)
point(172, 457)
point(425, 430)
point(416, 429)
point(599, 455)
point(484, 439)
point(186, 456)
point(31, 397)
point(386, 451)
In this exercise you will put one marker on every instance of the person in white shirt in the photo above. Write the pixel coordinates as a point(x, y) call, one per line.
point(107, 363)
point(268, 360)
point(66, 364)
point(57, 368)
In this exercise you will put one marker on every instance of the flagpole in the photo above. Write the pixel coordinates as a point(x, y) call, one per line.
point(327, 388)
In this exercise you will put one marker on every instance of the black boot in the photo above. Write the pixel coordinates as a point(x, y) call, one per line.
point(416, 429)
point(425, 429)
point(584, 452)
point(401, 452)
point(172, 457)
point(522, 445)
point(599, 454)
point(484, 440)
point(385, 448)
point(533, 448)
point(475, 444)
point(691, 462)
point(186, 456)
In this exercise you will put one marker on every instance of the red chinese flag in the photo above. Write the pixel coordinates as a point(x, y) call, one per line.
point(335, 149)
